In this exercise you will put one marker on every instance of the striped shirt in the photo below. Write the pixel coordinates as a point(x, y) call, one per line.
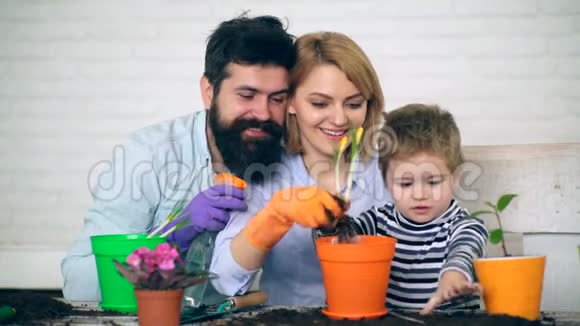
point(424, 251)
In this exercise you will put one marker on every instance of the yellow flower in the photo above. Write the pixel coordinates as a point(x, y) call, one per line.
point(342, 145)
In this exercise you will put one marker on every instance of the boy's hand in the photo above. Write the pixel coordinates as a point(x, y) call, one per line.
point(451, 285)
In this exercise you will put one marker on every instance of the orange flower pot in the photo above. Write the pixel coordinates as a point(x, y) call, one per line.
point(512, 285)
point(159, 307)
point(356, 276)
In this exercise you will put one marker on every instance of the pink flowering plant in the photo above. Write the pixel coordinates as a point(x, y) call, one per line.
point(159, 269)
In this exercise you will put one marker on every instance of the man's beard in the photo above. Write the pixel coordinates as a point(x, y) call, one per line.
point(239, 154)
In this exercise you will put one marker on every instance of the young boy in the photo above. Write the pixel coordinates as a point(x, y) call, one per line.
point(437, 240)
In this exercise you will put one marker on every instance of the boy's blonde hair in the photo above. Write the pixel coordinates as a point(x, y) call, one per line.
point(422, 128)
point(314, 49)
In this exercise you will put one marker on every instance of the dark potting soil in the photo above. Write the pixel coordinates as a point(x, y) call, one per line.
point(33, 306)
point(315, 317)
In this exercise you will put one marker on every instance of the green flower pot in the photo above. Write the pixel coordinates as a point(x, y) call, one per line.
point(117, 294)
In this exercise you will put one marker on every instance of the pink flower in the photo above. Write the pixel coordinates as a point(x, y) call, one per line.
point(166, 264)
point(150, 261)
point(166, 256)
point(173, 253)
point(134, 260)
point(159, 269)
point(142, 251)
point(165, 251)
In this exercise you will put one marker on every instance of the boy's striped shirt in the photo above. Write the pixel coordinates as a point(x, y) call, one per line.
point(424, 251)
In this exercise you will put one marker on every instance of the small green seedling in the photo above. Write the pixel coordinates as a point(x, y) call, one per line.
point(355, 136)
point(496, 236)
point(344, 230)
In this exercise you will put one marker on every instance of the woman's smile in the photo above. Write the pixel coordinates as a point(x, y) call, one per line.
point(334, 134)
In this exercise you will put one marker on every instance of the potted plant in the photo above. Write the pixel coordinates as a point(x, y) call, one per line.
point(159, 277)
point(116, 292)
point(355, 271)
point(512, 285)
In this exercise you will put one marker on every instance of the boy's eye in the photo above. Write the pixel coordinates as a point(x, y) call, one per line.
point(435, 181)
point(405, 184)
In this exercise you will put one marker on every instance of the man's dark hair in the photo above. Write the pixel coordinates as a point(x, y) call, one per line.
point(260, 40)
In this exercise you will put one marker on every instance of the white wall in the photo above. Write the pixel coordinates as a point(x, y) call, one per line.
point(562, 274)
point(545, 215)
point(77, 75)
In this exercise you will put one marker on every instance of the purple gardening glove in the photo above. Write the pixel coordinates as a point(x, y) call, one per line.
point(209, 210)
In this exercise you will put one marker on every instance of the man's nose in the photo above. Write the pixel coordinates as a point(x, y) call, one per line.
point(261, 109)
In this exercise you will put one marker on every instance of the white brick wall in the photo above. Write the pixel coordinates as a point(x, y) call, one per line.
point(77, 75)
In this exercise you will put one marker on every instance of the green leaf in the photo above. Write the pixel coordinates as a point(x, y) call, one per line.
point(477, 213)
point(353, 144)
point(496, 236)
point(490, 205)
point(335, 158)
point(504, 201)
point(181, 224)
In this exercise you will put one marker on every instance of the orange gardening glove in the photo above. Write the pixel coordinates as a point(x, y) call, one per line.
point(310, 207)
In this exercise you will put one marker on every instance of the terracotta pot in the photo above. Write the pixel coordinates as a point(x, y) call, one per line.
point(512, 285)
point(356, 276)
point(159, 307)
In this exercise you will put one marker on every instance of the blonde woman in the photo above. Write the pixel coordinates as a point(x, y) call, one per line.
point(334, 88)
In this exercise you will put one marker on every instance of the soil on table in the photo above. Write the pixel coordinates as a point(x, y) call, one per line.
point(34, 306)
point(315, 317)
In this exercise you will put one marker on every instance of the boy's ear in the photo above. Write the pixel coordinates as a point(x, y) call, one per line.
point(206, 89)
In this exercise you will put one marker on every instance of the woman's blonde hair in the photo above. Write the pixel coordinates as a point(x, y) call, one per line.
point(314, 49)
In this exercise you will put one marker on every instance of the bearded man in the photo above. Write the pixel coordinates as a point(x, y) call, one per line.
point(244, 88)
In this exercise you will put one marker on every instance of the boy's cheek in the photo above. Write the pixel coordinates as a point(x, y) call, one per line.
point(398, 195)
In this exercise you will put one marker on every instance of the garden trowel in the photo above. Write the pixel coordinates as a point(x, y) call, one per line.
point(231, 304)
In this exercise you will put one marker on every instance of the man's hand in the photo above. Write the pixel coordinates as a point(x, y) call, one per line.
point(208, 211)
point(452, 284)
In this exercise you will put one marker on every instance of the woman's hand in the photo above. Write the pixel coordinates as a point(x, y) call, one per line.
point(310, 207)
